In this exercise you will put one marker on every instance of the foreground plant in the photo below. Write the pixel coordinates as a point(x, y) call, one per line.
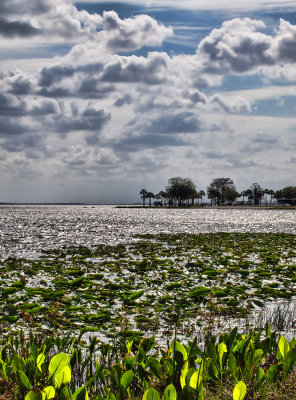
point(232, 365)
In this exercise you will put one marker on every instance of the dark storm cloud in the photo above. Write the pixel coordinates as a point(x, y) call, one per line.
point(121, 101)
point(236, 47)
point(54, 93)
point(286, 46)
point(90, 120)
point(8, 126)
point(132, 33)
point(179, 123)
point(20, 86)
point(213, 155)
point(11, 106)
point(27, 142)
point(137, 69)
point(135, 144)
point(34, 7)
point(93, 88)
point(56, 73)
point(11, 29)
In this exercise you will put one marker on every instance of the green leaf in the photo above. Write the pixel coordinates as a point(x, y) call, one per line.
point(271, 373)
point(24, 379)
point(239, 391)
point(129, 345)
point(126, 379)
point(40, 361)
point(283, 346)
point(155, 366)
point(170, 393)
point(196, 377)
point(137, 294)
point(232, 365)
point(222, 348)
point(62, 377)
point(81, 394)
point(18, 363)
point(260, 375)
point(31, 395)
point(183, 374)
point(289, 361)
point(177, 346)
point(48, 393)
point(151, 394)
point(58, 362)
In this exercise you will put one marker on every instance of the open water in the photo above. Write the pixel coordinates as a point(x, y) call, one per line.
point(26, 230)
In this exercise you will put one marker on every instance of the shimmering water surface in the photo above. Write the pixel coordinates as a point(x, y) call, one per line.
point(25, 230)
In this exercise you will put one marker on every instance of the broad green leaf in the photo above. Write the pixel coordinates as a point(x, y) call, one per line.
point(18, 363)
point(40, 361)
point(232, 365)
point(81, 394)
point(283, 346)
point(183, 374)
point(271, 373)
point(293, 343)
point(289, 361)
point(260, 375)
point(239, 391)
point(137, 294)
point(48, 393)
point(170, 393)
point(155, 366)
point(222, 348)
point(129, 345)
point(177, 346)
point(31, 395)
point(196, 377)
point(24, 379)
point(62, 377)
point(126, 379)
point(58, 362)
point(151, 394)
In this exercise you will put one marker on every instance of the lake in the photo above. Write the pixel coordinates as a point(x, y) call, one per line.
point(26, 230)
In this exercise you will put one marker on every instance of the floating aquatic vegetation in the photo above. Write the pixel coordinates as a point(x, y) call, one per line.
point(157, 282)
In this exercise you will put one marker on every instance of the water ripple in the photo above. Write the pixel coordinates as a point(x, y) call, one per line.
point(26, 230)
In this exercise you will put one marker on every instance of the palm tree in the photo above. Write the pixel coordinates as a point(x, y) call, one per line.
point(201, 193)
point(243, 194)
point(150, 195)
point(164, 195)
point(144, 195)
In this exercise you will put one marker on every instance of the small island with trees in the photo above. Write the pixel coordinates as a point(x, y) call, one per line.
point(182, 192)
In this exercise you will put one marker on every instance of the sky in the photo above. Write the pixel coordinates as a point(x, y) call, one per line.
point(99, 100)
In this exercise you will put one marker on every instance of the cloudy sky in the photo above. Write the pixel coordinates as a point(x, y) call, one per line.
point(99, 99)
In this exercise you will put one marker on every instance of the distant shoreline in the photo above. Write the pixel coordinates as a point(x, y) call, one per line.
point(138, 206)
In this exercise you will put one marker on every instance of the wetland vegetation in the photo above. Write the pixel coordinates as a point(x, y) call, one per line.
point(109, 313)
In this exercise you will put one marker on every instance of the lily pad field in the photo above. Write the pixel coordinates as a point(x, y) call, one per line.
point(157, 284)
point(166, 316)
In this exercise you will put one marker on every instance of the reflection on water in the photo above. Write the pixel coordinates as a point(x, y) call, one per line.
point(25, 230)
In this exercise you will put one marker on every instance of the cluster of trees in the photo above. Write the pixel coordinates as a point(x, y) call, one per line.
point(178, 192)
point(182, 191)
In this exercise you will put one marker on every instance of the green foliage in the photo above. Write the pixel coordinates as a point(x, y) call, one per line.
point(137, 369)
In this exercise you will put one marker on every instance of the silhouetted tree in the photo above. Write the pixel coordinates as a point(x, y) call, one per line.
point(180, 189)
point(144, 196)
point(201, 193)
point(217, 188)
point(257, 193)
point(150, 196)
point(286, 194)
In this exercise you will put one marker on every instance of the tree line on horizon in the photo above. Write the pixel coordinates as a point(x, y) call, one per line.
point(182, 192)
